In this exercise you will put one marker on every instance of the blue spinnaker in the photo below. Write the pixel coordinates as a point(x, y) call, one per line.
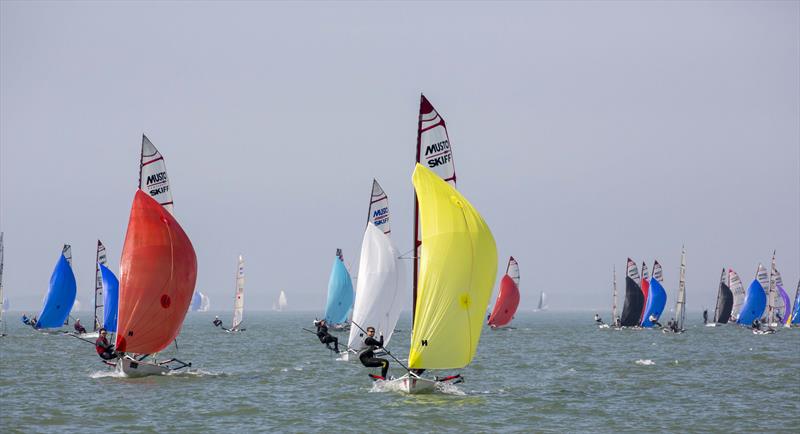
point(754, 304)
point(60, 298)
point(340, 294)
point(656, 300)
point(110, 299)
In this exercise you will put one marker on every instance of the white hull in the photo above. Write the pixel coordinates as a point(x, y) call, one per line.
point(413, 385)
point(133, 368)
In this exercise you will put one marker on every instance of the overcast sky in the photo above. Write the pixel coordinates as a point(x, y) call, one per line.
point(584, 132)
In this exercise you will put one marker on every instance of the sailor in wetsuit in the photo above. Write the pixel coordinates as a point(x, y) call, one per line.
point(79, 327)
point(756, 324)
point(705, 316)
point(654, 320)
point(325, 337)
point(104, 349)
point(217, 322)
point(597, 319)
point(367, 355)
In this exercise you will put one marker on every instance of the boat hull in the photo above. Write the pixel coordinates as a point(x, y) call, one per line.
point(132, 368)
point(413, 385)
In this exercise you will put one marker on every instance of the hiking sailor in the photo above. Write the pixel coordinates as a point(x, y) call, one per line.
point(325, 337)
point(217, 322)
point(654, 320)
point(597, 319)
point(367, 355)
point(104, 349)
point(79, 327)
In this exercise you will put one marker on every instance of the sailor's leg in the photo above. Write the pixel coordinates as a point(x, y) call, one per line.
point(384, 367)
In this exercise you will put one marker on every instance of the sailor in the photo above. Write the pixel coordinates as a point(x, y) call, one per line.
point(325, 337)
point(26, 320)
point(104, 349)
point(617, 322)
point(79, 327)
point(705, 316)
point(675, 326)
point(756, 324)
point(34, 321)
point(654, 320)
point(217, 322)
point(367, 355)
point(597, 319)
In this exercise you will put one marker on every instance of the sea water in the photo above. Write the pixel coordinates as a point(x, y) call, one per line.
point(551, 372)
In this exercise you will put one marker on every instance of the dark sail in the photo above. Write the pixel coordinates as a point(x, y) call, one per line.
point(634, 303)
point(722, 313)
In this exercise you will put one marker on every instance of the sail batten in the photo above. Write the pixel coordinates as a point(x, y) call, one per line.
point(458, 266)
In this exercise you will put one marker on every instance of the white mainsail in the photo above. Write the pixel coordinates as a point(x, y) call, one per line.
point(380, 282)
point(101, 258)
point(737, 288)
point(282, 301)
point(153, 175)
point(680, 304)
point(658, 273)
point(379, 208)
point(542, 301)
point(238, 302)
point(513, 270)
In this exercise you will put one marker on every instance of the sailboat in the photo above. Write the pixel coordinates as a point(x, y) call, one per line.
point(199, 302)
point(340, 294)
point(614, 319)
point(238, 299)
point(634, 299)
point(735, 284)
point(756, 300)
point(3, 300)
point(381, 277)
point(282, 301)
point(158, 271)
point(60, 296)
point(542, 305)
point(656, 298)
point(458, 265)
point(722, 311)
point(680, 302)
point(777, 299)
point(507, 298)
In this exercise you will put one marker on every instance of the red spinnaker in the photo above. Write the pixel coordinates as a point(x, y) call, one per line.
point(645, 290)
point(158, 271)
point(506, 304)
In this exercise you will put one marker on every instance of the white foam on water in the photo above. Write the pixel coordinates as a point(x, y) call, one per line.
point(645, 362)
point(112, 373)
point(446, 388)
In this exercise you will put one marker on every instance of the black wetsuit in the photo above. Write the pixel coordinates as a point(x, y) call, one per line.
point(367, 356)
point(217, 322)
point(326, 338)
point(705, 316)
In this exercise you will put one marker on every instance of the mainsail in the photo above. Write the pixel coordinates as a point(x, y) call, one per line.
point(379, 208)
point(680, 303)
point(282, 301)
point(60, 297)
point(110, 299)
point(645, 285)
point(542, 301)
point(153, 175)
point(379, 287)
point(722, 312)
point(507, 298)
point(777, 305)
point(340, 292)
point(634, 299)
point(433, 152)
point(658, 273)
point(756, 301)
point(67, 253)
point(100, 259)
point(735, 284)
point(458, 266)
point(158, 271)
point(512, 269)
point(238, 300)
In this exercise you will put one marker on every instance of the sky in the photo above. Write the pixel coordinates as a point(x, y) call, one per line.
point(584, 133)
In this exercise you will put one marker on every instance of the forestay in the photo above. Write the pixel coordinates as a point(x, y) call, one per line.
point(158, 272)
point(458, 266)
point(153, 175)
point(238, 300)
point(379, 288)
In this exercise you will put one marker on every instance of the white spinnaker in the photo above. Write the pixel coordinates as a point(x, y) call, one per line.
point(378, 292)
point(282, 301)
point(153, 175)
point(513, 270)
point(238, 301)
point(658, 273)
point(680, 305)
point(737, 288)
point(379, 208)
point(205, 303)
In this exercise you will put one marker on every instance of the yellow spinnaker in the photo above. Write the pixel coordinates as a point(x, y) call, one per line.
point(458, 265)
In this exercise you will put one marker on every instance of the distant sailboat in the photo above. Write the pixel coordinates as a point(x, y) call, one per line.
point(282, 301)
point(60, 297)
point(340, 293)
point(507, 297)
point(735, 284)
point(680, 302)
point(756, 301)
point(381, 277)
point(634, 299)
point(238, 300)
point(777, 299)
point(458, 265)
point(542, 305)
point(722, 311)
point(656, 298)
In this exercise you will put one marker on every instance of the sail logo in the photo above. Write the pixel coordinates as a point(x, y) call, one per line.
point(157, 178)
point(380, 216)
point(438, 154)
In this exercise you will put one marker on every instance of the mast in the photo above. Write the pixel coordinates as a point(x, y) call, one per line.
point(417, 242)
point(614, 303)
point(680, 305)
